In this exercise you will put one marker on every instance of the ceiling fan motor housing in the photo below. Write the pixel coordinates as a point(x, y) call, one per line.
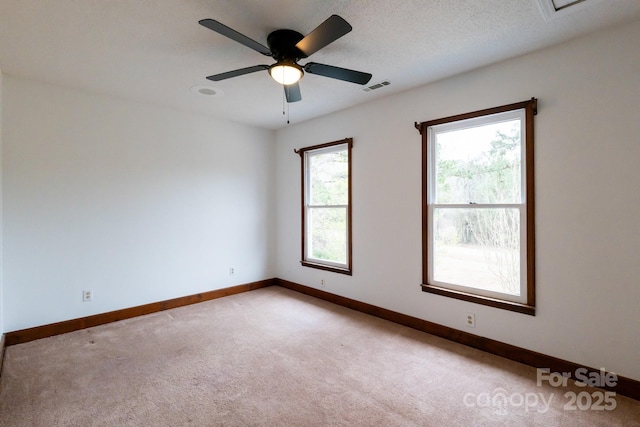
point(283, 45)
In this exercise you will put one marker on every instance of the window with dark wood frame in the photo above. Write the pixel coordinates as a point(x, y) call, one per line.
point(326, 206)
point(478, 237)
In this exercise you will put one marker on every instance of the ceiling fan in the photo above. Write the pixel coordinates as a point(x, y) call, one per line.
point(287, 47)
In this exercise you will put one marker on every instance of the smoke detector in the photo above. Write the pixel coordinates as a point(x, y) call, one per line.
point(208, 91)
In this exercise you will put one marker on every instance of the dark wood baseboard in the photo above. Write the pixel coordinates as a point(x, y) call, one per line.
point(625, 386)
point(2, 344)
point(30, 334)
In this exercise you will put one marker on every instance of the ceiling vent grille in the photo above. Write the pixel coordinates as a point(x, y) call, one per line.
point(377, 86)
point(552, 9)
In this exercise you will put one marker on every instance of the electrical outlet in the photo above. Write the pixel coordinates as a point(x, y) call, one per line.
point(232, 271)
point(87, 295)
point(322, 282)
point(471, 320)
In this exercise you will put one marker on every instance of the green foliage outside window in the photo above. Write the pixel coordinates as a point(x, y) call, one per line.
point(328, 199)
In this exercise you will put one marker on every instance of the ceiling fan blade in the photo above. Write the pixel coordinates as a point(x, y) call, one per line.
point(327, 32)
point(338, 73)
point(236, 73)
point(293, 92)
point(234, 35)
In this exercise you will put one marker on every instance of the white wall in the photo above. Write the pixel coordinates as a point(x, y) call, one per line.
point(587, 206)
point(135, 202)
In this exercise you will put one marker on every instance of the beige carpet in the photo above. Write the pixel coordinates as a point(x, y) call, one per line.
point(275, 357)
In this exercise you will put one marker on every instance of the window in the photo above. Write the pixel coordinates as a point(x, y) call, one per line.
point(326, 206)
point(478, 224)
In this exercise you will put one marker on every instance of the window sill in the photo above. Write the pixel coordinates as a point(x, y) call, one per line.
point(341, 270)
point(492, 302)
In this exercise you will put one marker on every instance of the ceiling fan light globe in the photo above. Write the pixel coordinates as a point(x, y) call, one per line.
point(286, 74)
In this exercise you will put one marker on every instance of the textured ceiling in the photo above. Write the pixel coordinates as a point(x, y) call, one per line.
point(154, 51)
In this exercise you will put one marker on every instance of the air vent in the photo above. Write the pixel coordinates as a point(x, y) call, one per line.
point(552, 9)
point(377, 86)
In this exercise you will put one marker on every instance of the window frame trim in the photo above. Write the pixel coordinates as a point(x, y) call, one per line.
point(314, 263)
point(528, 307)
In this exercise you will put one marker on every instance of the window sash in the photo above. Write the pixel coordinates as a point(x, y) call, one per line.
point(522, 297)
point(475, 122)
point(309, 247)
point(308, 155)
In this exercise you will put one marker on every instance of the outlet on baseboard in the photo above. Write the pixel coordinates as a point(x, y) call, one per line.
point(87, 295)
point(232, 271)
point(471, 320)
